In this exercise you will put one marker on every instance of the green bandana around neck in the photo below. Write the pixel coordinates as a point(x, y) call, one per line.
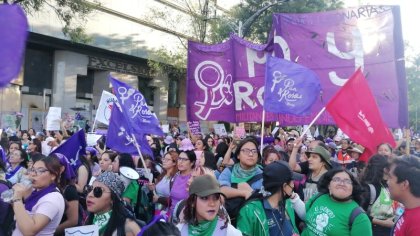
point(101, 220)
point(204, 228)
point(239, 175)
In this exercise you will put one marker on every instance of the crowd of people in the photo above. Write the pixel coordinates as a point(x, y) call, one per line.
point(210, 185)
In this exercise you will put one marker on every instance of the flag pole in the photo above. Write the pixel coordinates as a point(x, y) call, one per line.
point(312, 122)
point(149, 174)
point(262, 132)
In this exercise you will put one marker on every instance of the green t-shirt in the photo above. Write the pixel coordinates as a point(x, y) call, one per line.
point(330, 218)
point(131, 192)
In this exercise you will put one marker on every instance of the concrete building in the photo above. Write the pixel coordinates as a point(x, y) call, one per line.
point(61, 73)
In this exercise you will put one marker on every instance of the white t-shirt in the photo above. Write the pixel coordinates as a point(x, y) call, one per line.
point(51, 205)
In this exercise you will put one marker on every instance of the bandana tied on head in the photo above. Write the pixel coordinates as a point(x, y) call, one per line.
point(112, 181)
point(68, 171)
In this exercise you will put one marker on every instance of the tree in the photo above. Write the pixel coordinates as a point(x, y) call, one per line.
point(72, 13)
point(413, 84)
point(258, 31)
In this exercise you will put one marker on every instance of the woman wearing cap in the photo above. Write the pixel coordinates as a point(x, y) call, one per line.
point(106, 207)
point(271, 210)
point(335, 209)
point(44, 206)
point(179, 183)
point(18, 160)
point(203, 214)
point(71, 197)
point(248, 156)
point(378, 204)
point(317, 165)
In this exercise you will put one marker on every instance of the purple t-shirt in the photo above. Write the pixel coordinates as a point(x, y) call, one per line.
point(179, 190)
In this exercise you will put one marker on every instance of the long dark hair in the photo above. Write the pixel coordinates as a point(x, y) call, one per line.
point(375, 170)
point(190, 216)
point(325, 181)
point(118, 216)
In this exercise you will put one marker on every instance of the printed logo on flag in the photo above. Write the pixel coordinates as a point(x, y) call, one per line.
point(211, 79)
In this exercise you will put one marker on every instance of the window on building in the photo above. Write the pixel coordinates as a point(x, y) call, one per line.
point(147, 91)
point(173, 98)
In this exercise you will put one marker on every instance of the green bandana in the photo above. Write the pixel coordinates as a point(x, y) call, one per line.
point(204, 228)
point(240, 175)
point(102, 220)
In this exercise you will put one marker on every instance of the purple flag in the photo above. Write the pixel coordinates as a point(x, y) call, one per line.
point(335, 44)
point(226, 81)
point(289, 87)
point(135, 109)
point(13, 31)
point(72, 148)
point(119, 135)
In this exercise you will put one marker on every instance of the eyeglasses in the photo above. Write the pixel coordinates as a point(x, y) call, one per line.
point(37, 171)
point(166, 159)
point(182, 159)
point(97, 191)
point(248, 152)
point(342, 181)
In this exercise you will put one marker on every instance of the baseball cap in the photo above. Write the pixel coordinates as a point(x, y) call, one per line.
point(322, 152)
point(277, 173)
point(204, 185)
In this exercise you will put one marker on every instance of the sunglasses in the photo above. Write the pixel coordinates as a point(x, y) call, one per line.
point(97, 191)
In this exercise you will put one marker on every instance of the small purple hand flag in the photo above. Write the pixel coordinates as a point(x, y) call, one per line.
point(13, 31)
point(135, 109)
point(289, 87)
point(119, 136)
point(72, 148)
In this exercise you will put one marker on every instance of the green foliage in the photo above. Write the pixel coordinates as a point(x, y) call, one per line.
point(413, 84)
point(72, 13)
point(164, 61)
point(259, 30)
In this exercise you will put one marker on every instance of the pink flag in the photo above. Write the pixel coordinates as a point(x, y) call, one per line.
point(355, 111)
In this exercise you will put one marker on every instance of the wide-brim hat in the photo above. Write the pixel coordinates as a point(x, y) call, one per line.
point(204, 186)
point(186, 145)
point(168, 139)
point(322, 152)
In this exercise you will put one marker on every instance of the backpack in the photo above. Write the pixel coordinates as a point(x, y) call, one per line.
point(7, 226)
point(233, 205)
point(354, 213)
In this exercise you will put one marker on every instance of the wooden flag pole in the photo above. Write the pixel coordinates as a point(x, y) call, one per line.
point(312, 122)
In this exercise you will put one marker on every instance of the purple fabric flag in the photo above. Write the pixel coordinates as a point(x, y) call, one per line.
point(135, 109)
point(335, 44)
point(72, 148)
point(289, 87)
point(119, 135)
point(226, 81)
point(13, 31)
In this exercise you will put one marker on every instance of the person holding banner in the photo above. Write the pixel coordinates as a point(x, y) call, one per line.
point(106, 208)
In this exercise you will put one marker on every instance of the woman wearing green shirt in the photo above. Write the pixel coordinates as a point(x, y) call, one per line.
point(335, 209)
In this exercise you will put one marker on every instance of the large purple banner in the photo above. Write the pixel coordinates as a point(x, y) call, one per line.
point(226, 81)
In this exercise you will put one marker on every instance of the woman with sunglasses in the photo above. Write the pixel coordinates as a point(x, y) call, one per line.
point(106, 208)
point(18, 161)
point(203, 214)
point(335, 209)
point(44, 205)
point(162, 184)
point(178, 184)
